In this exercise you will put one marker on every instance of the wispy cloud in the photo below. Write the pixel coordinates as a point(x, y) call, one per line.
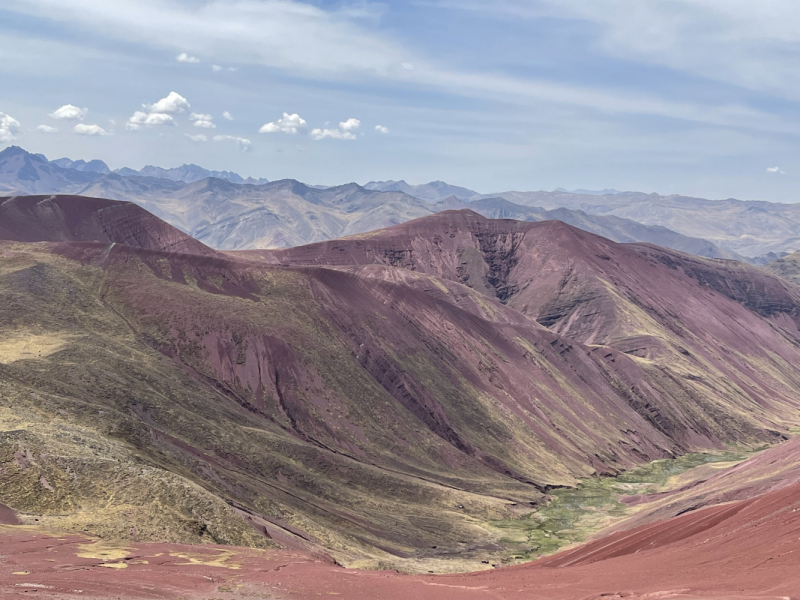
point(381, 129)
point(46, 129)
point(308, 41)
point(242, 144)
point(735, 41)
point(777, 170)
point(227, 116)
point(185, 58)
point(198, 139)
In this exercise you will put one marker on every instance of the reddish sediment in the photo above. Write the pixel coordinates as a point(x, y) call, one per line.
point(738, 551)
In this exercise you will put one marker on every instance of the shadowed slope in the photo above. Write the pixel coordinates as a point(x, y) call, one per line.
point(75, 218)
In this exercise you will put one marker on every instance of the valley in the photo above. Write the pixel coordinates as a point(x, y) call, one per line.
point(440, 396)
point(438, 300)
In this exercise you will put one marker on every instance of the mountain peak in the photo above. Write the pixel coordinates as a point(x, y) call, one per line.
point(11, 151)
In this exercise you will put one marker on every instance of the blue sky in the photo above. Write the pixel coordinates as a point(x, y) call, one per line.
point(675, 96)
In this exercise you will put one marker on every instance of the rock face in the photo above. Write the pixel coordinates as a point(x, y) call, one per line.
point(378, 398)
point(75, 218)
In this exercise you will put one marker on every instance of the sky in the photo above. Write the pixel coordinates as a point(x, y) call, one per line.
point(697, 97)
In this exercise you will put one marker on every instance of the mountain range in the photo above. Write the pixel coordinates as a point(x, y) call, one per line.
point(234, 215)
point(29, 163)
point(381, 398)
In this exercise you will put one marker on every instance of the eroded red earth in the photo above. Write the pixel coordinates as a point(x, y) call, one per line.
point(735, 551)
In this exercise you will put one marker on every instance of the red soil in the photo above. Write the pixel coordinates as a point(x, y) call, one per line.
point(744, 550)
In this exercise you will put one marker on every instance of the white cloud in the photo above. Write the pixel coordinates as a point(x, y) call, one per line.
point(46, 129)
point(227, 116)
point(69, 112)
point(350, 125)
point(381, 129)
point(204, 121)
point(336, 134)
point(159, 113)
point(286, 124)
point(216, 68)
point(140, 118)
point(84, 129)
point(172, 104)
point(242, 144)
point(344, 132)
point(8, 127)
point(776, 170)
point(198, 139)
point(185, 58)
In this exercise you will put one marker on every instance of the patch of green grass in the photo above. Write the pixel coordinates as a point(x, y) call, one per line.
point(573, 514)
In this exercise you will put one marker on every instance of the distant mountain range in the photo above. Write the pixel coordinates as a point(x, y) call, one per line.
point(432, 192)
point(184, 173)
point(760, 231)
point(229, 212)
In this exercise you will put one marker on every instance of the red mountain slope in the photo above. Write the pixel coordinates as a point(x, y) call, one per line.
point(80, 219)
point(371, 411)
point(720, 336)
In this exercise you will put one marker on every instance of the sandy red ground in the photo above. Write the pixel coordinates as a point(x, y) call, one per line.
point(737, 551)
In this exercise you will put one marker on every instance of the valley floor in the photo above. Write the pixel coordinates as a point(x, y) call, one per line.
point(745, 548)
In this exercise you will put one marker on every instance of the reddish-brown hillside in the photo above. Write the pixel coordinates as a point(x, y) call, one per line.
point(374, 412)
point(80, 219)
point(720, 334)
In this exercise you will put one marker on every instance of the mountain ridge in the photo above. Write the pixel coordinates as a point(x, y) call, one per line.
point(720, 228)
